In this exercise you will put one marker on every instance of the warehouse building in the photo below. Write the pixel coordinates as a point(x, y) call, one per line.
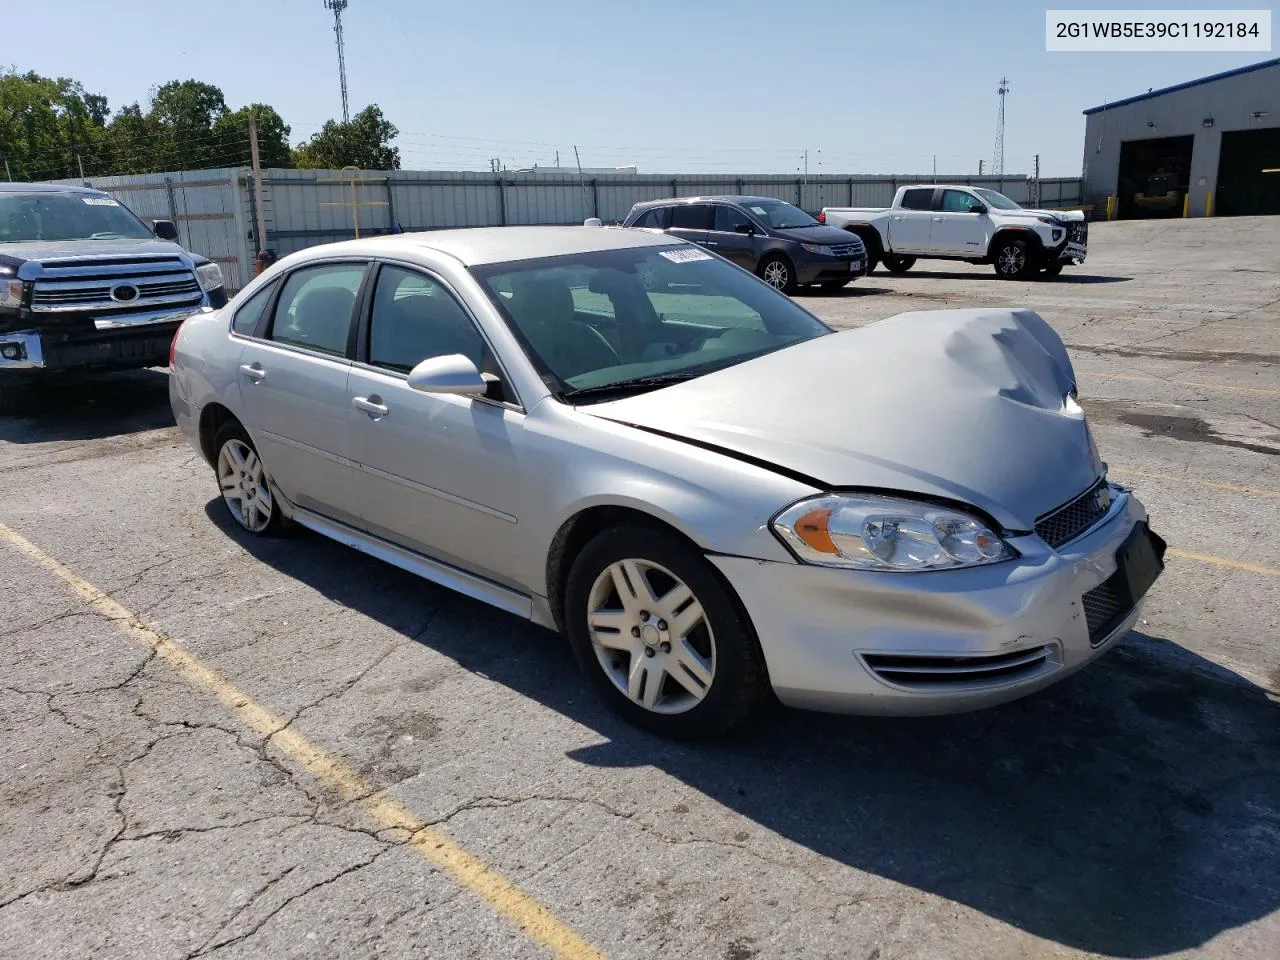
point(1206, 147)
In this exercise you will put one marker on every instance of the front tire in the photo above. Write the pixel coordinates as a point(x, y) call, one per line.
point(1012, 260)
point(660, 635)
point(896, 264)
point(778, 273)
point(242, 481)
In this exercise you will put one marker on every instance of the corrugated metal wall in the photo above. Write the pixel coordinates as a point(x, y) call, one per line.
point(216, 210)
point(313, 206)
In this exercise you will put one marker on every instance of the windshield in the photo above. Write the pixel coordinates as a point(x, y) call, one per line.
point(25, 217)
point(997, 200)
point(610, 322)
point(779, 215)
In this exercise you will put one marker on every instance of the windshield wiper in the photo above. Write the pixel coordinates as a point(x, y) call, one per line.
point(638, 385)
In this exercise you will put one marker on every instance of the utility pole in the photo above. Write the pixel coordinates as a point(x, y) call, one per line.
point(980, 167)
point(586, 206)
point(1035, 182)
point(997, 161)
point(557, 159)
point(337, 6)
point(257, 182)
point(935, 168)
point(7, 175)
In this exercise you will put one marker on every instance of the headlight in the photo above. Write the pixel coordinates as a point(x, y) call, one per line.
point(878, 533)
point(10, 294)
point(1052, 221)
point(210, 276)
point(819, 249)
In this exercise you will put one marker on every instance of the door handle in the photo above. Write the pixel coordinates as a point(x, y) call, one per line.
point(939, 219)
point(371, 405)
point(253, 371)
point(710, 243)
point(898, 219)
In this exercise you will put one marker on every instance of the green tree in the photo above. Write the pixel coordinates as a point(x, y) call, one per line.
point(364, 142)
point(232, 130)
point(46, 123)
point(184, 113)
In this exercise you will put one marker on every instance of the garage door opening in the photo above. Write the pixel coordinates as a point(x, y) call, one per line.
point(1244, 186)
point(1154, 175)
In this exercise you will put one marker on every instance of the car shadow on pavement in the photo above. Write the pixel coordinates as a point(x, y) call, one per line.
point(90, 408)
point(1064, 277)
point(1132, 810)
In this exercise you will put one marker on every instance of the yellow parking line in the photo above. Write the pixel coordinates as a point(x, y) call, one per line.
point(1232, 487)
point(466, 868)
point(1183, 383)
point(1224, 562)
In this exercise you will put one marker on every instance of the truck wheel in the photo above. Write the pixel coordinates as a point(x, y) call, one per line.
point(896, 264)
point(1012, 260)
point(1053, 270)
point(777, 273)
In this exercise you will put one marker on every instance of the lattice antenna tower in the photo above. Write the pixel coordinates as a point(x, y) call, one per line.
point(997, 159)
point(337, 6)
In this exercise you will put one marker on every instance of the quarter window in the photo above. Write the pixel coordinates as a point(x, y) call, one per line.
point(415, 317)
point(316, 305)
point(247, 317)
point(921, 199)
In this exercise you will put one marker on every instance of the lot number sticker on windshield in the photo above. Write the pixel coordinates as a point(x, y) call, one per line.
point(100, 201)
point(684, 256)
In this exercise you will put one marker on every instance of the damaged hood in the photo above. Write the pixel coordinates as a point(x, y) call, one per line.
point(967, 405)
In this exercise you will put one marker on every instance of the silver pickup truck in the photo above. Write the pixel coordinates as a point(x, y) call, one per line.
point(85, 285)
point(973, 224)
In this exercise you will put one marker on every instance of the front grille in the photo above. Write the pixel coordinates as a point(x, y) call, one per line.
point(932, 673)
point(93, 292)
point(847, 249)
point(1103, 610)
point(1079, 232)
point(1075, 518)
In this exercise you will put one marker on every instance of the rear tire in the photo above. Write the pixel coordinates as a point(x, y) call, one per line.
point(1012, 260)
point(778, 273)
point(896, 264)
point(660, 635)
point(244, 485)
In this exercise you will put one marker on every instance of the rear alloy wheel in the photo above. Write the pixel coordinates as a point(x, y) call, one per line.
point(1013, 260)
point(243, 482)
point(778, 274)
point(659, 634)
point(896, 264)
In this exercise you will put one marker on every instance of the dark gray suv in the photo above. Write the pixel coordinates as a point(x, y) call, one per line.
point(776, 241)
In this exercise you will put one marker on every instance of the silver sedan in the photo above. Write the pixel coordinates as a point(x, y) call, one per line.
point(711, 493)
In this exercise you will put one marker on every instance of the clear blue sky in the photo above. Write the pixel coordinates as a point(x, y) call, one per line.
point(697, 85)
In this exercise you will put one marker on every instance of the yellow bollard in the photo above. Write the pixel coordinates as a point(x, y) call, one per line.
point(1208, 204)
point(1110, 207)
point(1186, 205)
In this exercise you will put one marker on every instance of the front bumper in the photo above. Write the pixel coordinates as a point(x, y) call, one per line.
point(142, 342)
point(827, 634)
point(814, 268)
point(1072, 253)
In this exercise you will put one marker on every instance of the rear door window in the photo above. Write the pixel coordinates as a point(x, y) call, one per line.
point(659, 218)
point(691, 216)
point(918, 199)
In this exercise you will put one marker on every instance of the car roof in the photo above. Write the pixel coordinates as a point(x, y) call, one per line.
point(722, 197)
point(46, 188)
point(476, 246)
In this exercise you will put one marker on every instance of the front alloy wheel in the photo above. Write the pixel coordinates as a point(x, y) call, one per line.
point(1013, 260)
point(777, 274)
point(651, 636)
point(660, 633)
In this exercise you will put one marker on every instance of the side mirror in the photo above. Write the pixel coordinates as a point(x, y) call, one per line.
point(746, 228)
point(165, 229)
point(451, 374)
point(977, 208)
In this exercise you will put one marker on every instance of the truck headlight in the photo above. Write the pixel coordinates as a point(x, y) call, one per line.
point(210, 276)
point(819, 249)
point(10, 294)
point(880, 533)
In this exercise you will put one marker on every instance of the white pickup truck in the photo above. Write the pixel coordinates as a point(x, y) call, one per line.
point(974, 224)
